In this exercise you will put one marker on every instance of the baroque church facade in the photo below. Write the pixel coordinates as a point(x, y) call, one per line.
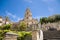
point(30, 21)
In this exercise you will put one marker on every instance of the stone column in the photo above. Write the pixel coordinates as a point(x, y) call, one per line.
point(34, 35)
point(10, 36)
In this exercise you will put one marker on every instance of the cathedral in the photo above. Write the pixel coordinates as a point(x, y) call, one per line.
point(29, 19)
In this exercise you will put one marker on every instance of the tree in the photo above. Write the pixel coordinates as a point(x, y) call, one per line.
point(0, 27)
point(6, 27)
point(14, 27)
point(22, 26)
point(6, 19)
point(43, 20)
point(51, 19)
point(57, 17)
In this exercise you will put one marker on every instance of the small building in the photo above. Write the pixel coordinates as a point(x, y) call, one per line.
point(4, 21)
point(1, 21)
point(10, 36)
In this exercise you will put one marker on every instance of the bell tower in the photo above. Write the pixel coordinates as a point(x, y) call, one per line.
point(28, 14)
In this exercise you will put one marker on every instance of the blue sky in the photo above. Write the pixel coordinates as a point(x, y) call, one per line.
point(15, 9)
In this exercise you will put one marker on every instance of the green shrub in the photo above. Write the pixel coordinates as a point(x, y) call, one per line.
point(23, 35)
point(6, 27)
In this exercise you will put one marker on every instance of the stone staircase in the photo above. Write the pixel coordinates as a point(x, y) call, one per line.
point(51, 35)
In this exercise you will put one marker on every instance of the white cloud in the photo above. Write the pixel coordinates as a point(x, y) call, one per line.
point(29, 1)
point(51, 10)
point(19, 19)
point(50, 4)
point(13, 16)
point(10, 14)
point(37, 17)
point(48, 0)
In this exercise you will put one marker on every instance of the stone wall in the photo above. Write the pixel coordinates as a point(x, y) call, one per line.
point(51, 35)
point(10, 36)
point(34, 35)
point(55, 25)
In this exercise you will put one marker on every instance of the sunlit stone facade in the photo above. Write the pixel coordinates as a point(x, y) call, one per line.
point(10, 36)
point(4, 21)
point(29, 19)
